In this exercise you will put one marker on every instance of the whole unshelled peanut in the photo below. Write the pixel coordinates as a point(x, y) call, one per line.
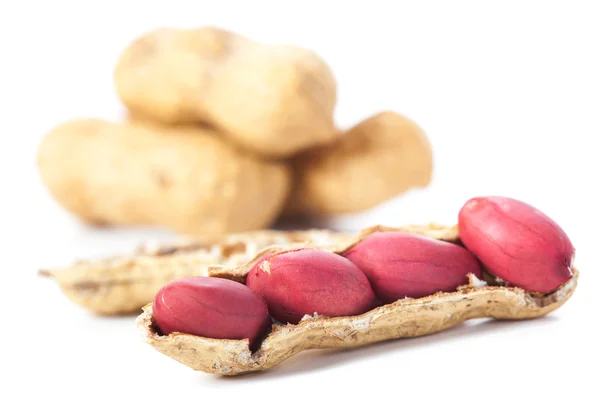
point(381, 157)
point(271, 99)
point(516, 242)
point(305, 281)
point(400, 265)
point(211, 307)
point(184, 178)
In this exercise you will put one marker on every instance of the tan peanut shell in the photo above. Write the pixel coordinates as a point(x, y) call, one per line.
point(271, 99)
point(404, 318)
point(376, 160)
point(187, 179)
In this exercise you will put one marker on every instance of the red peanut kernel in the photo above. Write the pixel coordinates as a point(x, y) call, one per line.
point(306, 281)
point(517, 242)
point(211, 307)
point(400, 264)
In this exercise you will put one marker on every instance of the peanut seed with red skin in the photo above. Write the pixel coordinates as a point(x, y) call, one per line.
point(517, 242)
point(400, 264)
point(307, 281)
point(211, 307)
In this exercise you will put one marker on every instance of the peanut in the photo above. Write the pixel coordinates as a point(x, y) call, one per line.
point(273, 100)
point(400, 265)
point(306, 281)
point(376, 160)
point(516, 242)
point(405, 318)
point(183, 178)
point(211, 307)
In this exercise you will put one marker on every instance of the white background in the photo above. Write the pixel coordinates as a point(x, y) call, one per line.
point(508, 92)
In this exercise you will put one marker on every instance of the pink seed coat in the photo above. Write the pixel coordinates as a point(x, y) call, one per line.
point(516, 242)
point(400, 265)
point(211, 307)
point(308, 281)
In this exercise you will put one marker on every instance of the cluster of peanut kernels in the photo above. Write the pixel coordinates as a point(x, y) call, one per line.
point(510, 239)
point(224, 135)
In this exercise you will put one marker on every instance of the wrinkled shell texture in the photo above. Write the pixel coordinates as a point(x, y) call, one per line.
point(401, 264)
point(517, 242)
point(184, 178)
point(404, 318)
point(381, 157)
point(123, 285)
point(303, 281)
point(208, 75)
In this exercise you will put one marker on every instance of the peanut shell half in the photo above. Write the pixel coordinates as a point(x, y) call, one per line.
point(404, 318)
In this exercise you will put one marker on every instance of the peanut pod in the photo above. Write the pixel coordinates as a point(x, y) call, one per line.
point(387, 152)
point(273, 100)
point(183, 178)
point(403, 318)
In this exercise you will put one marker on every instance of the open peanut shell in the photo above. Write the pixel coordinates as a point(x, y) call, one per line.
point(123, 285)
point(403, 318)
